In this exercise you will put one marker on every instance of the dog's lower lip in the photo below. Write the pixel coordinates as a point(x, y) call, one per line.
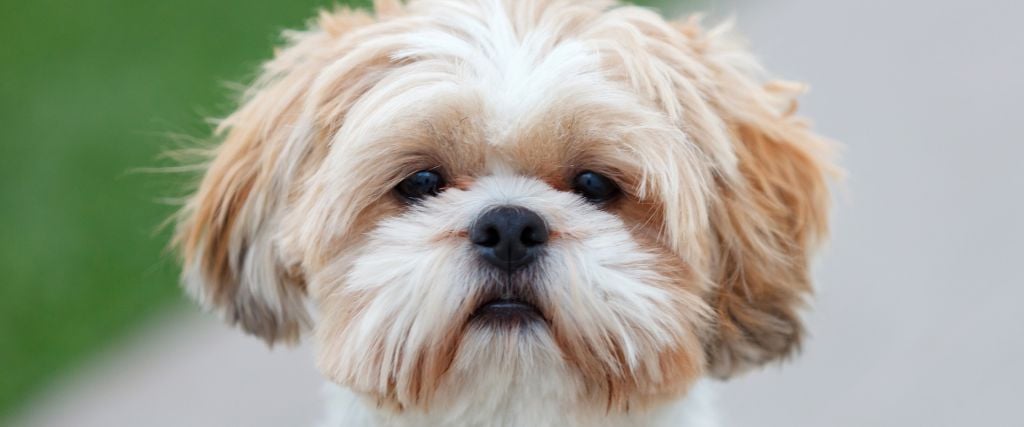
point(507, 309)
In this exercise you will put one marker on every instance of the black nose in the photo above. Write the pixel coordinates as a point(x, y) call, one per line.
point(508, 236)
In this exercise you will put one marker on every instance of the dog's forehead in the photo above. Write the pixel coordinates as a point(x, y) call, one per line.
point(489, 91)
point(520, 66)
point(463, 124)
point(473, 93)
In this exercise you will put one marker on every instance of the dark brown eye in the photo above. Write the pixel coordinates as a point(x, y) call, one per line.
point(595, 187)
point(420, 184)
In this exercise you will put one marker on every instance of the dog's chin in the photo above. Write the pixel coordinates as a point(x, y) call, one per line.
point(507, 312)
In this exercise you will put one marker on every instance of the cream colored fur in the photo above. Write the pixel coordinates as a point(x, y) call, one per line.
point(698, 269)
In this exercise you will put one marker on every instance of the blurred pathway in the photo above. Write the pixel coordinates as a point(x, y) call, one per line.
point(919, 320)
point(186, 369)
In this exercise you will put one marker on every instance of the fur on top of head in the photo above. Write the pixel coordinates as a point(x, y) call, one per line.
point(698, 267)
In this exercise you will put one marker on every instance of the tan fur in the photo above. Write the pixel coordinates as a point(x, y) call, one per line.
point(237, 203)
point(664, 376)
point(768, 223)
point(723, 187)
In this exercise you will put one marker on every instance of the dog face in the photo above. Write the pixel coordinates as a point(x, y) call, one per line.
point(467, 188)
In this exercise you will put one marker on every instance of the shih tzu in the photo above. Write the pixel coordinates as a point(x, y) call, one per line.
point(513, 212)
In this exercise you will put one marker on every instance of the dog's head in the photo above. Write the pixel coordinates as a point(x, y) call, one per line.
point(461, 185)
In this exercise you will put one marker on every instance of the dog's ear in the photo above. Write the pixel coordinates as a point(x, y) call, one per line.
point(227, 232)
point(767, 226)
point(767, 219)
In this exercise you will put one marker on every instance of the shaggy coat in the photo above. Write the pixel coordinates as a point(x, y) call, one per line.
point(698, 269)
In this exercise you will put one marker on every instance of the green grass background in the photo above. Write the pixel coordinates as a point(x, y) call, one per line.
point(89, 92)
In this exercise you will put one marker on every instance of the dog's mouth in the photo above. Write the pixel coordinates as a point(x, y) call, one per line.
point(509, 311)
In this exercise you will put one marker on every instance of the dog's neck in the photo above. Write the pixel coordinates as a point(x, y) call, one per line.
point(540, 404)
point(524, 384)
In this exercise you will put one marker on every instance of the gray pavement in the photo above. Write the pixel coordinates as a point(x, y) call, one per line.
point(185, 369)
point(919, 319)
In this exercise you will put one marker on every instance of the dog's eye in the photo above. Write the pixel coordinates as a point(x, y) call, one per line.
point(420, 185)
point(595, 187)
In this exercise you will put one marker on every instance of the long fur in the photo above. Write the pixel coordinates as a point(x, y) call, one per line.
point(699, 269)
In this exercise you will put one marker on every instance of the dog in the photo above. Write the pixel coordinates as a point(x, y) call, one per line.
point(513, 213)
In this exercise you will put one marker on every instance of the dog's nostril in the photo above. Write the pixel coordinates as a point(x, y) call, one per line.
point(490, 238)
point(532, 237)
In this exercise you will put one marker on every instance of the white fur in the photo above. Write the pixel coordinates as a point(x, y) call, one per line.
point(533, 408)
point(414, 279)
point(298, 208)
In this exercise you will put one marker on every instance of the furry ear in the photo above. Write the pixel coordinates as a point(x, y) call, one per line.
point(228, 230)
point(768, 219)
point(767, 227)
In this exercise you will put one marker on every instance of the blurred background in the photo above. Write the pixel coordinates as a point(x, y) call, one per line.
point(919, 317)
